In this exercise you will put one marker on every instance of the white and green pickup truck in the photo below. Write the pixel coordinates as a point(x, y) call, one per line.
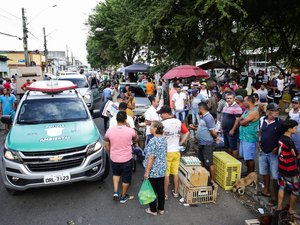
point(53, 139)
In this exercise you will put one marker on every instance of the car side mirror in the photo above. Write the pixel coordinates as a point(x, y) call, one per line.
point(6, 119)
point(96, 113)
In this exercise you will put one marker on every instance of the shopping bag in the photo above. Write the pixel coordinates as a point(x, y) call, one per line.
point(146, 194)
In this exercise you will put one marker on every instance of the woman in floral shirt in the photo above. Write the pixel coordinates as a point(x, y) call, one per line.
point(155, 163)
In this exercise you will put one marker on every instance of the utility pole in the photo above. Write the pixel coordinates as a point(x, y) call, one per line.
point(45, 49)
point(25, 44)
point(67, 55)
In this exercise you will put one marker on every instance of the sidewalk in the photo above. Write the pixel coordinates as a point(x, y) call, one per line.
point(255, 203)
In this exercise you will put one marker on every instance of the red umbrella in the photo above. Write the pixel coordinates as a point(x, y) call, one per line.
point(185, 71)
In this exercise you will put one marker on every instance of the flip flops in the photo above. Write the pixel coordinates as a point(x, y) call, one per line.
point(260, 193)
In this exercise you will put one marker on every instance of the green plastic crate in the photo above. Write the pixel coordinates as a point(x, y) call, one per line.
point(227, 170)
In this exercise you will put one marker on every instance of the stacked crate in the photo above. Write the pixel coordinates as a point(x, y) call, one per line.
point(227, 170)
point(193, 187)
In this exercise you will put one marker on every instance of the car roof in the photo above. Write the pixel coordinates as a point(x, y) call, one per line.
point(41, 95)
point(78, 76)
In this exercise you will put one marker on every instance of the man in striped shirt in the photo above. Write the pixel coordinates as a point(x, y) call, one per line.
point(288, 169)
point(230, 123)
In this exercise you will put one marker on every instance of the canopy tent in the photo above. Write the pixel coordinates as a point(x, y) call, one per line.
point(213, 64)
point(135, 67)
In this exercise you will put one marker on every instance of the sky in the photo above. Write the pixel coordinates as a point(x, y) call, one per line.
point(64, 24)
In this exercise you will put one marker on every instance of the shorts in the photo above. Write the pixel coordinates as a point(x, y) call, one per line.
point(123, 170)
point(268, 164)
point(231, 141)
point(291, 183)
point(205, 154)
point(247, 150)
point(173, 160)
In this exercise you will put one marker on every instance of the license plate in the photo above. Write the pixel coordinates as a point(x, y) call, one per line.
point(57, 178)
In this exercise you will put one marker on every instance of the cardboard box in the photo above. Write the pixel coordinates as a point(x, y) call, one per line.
point(197, 176)
point(252, 222)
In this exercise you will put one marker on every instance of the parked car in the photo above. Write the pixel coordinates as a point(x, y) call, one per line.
point(89, 89)
point(53, 140)
point(142, 102)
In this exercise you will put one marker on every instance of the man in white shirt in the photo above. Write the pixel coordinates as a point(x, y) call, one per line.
point(113, 120)
point(176, 133)
point(151, 115)
point(179, 99)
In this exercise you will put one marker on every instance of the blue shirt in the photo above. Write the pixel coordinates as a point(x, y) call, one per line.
point(157, 147)
point(107, 93)
point(269, 134)
point(196, 100)
point(206, 124)
point(7, 104)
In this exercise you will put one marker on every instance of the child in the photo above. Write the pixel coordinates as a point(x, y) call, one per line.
point(288, 170)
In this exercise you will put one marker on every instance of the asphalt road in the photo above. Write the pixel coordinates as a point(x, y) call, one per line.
point(91, 203)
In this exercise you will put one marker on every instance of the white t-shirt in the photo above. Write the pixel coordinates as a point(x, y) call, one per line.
point(280, 84)
point(172, 131)
point(113, 121)
point(179, 100)
point(205, 93)
point(151, 115)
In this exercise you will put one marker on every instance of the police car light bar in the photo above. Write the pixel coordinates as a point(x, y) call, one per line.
point(51, 86)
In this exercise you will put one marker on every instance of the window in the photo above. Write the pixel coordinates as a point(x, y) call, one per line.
point(52, 110)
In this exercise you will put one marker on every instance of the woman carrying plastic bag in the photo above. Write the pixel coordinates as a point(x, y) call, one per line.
point(155, 164)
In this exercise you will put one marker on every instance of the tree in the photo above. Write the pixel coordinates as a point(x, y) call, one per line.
point(104, 44)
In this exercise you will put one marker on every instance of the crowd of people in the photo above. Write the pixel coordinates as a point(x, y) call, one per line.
point(239, 114)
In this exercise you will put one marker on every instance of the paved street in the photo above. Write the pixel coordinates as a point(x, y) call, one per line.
point(91, 203)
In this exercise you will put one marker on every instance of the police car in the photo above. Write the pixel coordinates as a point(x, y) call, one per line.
point(53, 139)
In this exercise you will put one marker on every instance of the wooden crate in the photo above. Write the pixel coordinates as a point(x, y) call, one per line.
point(196, 175)
point(197, 195)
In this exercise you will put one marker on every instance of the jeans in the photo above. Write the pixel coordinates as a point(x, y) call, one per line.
point(195, 118)
point(180, 114)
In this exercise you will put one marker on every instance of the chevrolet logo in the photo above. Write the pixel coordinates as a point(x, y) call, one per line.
point(55, 158)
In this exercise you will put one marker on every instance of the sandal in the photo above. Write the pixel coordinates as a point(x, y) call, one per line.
point(148, 210)
point(161, 212)
point(272, 202)
point(175, 195)
point(294, 214)
point(260, 193)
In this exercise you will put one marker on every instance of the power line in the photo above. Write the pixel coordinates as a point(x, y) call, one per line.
point(11, 14)
point(10, 35)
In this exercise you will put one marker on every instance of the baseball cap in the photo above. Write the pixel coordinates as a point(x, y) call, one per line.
point(273, 107)
point(164, 109)
point(296, 99)
point(226, 85)
point(185, 88)
point(204, 83)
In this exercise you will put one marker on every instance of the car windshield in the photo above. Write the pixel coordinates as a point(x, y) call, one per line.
point(137, 91)
point(52, 110)
point(81, 83)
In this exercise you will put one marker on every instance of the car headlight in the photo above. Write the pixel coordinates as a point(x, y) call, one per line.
point(12, 155)
point(95, 147)
point(87, 97)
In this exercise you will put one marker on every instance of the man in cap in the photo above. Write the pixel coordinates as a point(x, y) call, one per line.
point(294, 114)
point(269, 127)
point(173, 130)
point(227, 90)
